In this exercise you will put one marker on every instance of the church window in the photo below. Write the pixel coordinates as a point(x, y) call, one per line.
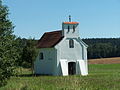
point(73, 29)
point(68, 28)
point(71, 43)
point(41, 56)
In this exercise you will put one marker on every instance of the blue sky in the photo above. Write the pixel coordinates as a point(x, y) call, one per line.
point(98, 18)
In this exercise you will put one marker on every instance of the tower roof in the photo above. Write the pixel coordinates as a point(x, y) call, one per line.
point(70, 23)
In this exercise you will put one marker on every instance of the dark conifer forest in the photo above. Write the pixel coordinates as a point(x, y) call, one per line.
point(103, 47)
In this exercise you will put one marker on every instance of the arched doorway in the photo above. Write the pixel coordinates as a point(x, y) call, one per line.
point(71, 68)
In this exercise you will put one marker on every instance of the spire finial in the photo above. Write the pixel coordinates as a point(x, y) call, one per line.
point(69, 18)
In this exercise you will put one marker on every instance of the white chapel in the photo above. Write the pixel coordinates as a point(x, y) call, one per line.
point(62, 52)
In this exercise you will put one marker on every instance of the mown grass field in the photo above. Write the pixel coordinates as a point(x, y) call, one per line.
point(101, 77)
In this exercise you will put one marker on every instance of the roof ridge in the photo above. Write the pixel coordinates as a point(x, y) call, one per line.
point(54, 31)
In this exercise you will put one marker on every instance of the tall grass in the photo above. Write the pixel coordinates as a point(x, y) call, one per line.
point(101, 77)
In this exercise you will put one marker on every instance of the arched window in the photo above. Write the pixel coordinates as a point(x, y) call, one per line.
point(41, 56)
point(71, 43)
point(73, 28)
point(68, 28)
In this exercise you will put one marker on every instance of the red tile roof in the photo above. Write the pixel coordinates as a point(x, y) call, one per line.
point(50, 39)
point(70, 22)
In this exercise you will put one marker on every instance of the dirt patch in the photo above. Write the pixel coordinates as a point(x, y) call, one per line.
point(104, 61)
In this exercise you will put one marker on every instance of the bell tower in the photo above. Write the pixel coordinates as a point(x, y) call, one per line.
point(70, 29)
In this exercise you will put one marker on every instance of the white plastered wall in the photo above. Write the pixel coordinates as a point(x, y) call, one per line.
point(77, 54)
point(47, 65)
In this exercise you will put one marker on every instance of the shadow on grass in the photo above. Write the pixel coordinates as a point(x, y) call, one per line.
point(31, 75)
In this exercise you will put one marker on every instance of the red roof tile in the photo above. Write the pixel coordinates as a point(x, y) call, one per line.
point(50, 39)
point(70, 22)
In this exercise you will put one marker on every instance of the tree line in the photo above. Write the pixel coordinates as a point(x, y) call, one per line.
point(103, 47)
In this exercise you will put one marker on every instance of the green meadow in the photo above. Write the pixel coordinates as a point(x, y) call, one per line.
point(101, 77)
